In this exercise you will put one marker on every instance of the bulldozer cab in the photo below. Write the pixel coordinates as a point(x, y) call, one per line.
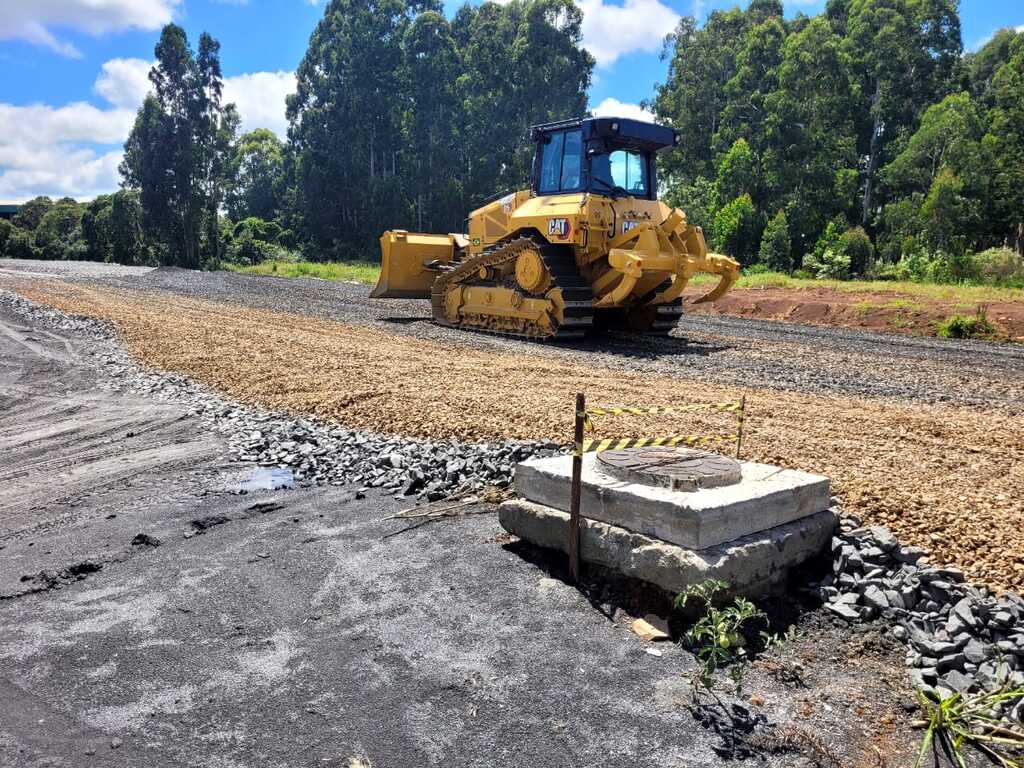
point(608, 156)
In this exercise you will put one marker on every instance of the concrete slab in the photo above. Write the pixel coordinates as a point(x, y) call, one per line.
point(765, 497)
point(753, 565)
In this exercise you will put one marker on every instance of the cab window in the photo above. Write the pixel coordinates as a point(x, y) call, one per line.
point(560, 163)
point(621, 168)
point(572, 159)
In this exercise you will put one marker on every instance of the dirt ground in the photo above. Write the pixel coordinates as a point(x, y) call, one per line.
point(298, 631)
point(942, 476)
point(892, 312)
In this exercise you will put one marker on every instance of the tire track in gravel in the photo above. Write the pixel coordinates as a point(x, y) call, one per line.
point(942, 476)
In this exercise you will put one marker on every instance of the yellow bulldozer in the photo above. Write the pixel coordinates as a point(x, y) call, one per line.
point(588, 245)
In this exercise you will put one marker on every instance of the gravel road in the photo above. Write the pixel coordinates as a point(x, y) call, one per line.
point(154, 618)
point(739, 351)
point(724, 350)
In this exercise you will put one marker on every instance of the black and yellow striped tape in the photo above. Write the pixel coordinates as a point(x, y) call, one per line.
point(620, 443)
point(667, 409)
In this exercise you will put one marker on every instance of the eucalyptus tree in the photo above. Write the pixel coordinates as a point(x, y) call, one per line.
point(177, 150)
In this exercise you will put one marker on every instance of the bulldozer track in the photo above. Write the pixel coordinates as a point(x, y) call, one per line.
point(578, 313)
point(667, 318)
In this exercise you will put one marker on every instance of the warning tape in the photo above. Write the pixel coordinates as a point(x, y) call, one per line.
point(620, 443)
point(727, 407)
point(717, 407)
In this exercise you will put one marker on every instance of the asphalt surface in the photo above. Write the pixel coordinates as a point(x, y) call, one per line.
point(301, 628)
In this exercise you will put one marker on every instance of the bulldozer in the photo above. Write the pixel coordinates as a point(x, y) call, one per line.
point(588, 245)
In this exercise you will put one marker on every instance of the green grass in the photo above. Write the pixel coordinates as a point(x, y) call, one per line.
point(346, 271)
point(959, 721)
point(965, 294)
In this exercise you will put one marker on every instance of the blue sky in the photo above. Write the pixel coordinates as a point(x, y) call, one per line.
point(72, 72)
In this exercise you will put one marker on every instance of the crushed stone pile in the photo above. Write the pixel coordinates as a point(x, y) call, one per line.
point(960, 638)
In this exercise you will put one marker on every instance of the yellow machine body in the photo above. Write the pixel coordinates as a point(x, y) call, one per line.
point(554, 266)
point(404, 256)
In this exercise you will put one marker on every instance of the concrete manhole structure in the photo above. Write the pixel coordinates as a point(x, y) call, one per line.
point(677, 516)
point(681, 469)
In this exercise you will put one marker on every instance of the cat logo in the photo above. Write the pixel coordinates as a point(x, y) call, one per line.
point(559, 228)
point(628, 225)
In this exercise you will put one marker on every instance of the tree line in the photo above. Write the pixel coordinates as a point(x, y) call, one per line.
point(401, 118)
point(860, 141)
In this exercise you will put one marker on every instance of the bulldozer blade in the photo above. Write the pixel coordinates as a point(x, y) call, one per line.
point(409, 261)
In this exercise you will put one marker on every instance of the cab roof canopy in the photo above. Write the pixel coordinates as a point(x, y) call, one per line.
point(601, 133)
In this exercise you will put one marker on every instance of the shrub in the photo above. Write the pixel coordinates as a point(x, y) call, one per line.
point(20, 245)
point(840, 252)
point(245, 249)
point(828, 240)
point(856, 244)
point(961, 327)
point(287, 239)
point(919, 266)
point(830, 265)
point(258, 229)
point(999, 265)
point(776, 253)
point(5, 232)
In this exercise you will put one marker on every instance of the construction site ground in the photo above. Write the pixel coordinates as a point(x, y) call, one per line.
point(889, 310)
point(299, 633)
point(923, 435)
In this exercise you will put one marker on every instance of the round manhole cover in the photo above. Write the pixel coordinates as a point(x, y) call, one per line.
point(681, 469)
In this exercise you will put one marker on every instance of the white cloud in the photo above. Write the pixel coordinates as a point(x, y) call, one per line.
point(259, 96)
point(611, 107)
point(260, 99)
point(35, 20)
point(75, 149)
point(124, 82)
point(610, 31)
point(60, 172)
point(75, 122)
point(52, 151)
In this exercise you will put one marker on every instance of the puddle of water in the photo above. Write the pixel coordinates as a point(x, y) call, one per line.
point(267, 479)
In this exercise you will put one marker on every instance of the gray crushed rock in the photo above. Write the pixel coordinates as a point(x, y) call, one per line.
point(86, 269)
point(315, 451)
point(960, 638)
